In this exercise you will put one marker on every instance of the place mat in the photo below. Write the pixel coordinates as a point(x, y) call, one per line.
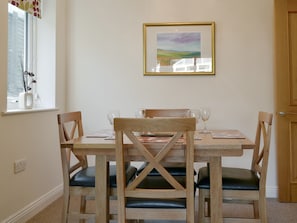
point(166, 135)
point(157, 139)
point(100, 134)
point(227, 134)
point(197, 137)
point(110, 138)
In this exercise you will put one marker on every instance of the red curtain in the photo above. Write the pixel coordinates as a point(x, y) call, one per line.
point(31, 6)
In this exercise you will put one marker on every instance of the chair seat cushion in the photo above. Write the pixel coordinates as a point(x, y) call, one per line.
point(233, 179)
point(155, 203)
point(158, 182)
point(174, 171)
point(86, 177)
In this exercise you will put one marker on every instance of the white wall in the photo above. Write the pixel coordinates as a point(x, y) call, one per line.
point(105, 64)
point(33, 136)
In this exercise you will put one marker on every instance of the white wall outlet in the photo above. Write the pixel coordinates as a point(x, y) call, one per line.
point(20, 165)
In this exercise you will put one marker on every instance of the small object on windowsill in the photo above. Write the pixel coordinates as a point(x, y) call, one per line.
point(29, 78)
point(26, 100)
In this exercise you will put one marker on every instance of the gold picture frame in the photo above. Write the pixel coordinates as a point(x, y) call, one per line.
point(179, 49)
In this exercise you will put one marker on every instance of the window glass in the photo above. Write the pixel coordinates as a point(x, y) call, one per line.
point(20, 34)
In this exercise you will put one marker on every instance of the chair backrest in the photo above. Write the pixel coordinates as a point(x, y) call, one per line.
point(153, 113)
point(262, 142)
point(70, 127)
point(154, 153)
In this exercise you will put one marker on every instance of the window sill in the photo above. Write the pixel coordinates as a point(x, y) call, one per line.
point(25, 111)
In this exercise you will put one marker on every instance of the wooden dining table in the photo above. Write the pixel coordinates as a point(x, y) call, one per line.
point(209, 148)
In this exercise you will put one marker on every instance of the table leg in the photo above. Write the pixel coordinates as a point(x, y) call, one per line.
point(216, 193)
point(101, 189)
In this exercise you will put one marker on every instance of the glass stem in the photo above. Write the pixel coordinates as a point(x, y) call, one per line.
point(205, 129)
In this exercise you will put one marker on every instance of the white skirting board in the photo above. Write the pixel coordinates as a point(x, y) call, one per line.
point(32, 209)
point(35, 207)
point(271, 192)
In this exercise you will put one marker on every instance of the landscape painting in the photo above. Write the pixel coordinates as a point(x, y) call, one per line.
point(179, 49)
point(172, 47)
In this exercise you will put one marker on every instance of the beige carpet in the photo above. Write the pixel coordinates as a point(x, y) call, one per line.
point(277, 212)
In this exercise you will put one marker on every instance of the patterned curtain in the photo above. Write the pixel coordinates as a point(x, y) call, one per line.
point(30, 6)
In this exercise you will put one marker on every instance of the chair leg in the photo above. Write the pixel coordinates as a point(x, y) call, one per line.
point(201, 212)
point(65, 209)
point(262, 210)
point(256, 209)
point(208, 206)
point(83, 204)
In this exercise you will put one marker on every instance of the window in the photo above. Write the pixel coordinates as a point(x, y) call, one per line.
point(31, 47)
point(21, 40)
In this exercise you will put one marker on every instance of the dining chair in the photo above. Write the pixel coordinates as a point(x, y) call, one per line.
point(175, 169)
point(166, 197)
point(242, 185)
point(78, 176)
point(166, 112)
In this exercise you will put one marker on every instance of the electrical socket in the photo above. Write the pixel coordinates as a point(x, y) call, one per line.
point(20, 165)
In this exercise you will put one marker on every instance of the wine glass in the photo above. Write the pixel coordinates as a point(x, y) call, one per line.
point(111, 115)
point(195, 113)
point(205, 114)
point(139, 113)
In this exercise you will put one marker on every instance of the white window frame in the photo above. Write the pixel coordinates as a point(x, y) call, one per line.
point(44, 68)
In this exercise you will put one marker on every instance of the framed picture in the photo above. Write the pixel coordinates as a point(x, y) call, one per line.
point(179, 49)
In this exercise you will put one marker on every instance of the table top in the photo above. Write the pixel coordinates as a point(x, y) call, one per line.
point(216, 143)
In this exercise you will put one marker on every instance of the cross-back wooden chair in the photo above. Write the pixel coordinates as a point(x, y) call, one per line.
point(243, 185)
point(175, 169)
point(166, 112)
point(78, 176)
point(165, 197)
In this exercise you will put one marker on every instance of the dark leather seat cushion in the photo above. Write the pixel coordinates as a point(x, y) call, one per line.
point(233, 179)
point(86, 177)
point(158, 182)
point(155, 203)
point(174, 171)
